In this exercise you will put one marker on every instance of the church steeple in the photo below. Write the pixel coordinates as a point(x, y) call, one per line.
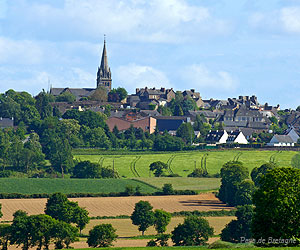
point(104, 74)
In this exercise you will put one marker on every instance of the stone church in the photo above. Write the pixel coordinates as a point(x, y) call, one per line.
point(103, 80)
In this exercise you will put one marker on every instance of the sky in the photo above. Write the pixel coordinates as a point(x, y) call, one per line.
point(221, 48)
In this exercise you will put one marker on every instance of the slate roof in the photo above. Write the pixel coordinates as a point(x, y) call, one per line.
point(165, 124)
point(284, 138)
point(232, 135)
point(214, 136)
point(77, 92)
point(6, 122)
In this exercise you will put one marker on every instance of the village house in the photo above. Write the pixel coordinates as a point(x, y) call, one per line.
point(6, 122)
point(224, 137)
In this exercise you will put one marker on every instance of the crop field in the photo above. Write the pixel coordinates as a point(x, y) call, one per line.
point(114, 206)
point(183, 163)
point(125, 228)
point(68, 186)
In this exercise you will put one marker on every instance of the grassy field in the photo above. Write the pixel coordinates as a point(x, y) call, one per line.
point(183, 163)
point(191, 248)
point(125, 228)
point(182, 183)
point(68, 186)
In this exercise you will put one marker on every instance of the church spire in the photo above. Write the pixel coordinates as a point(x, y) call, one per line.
point(104, 74)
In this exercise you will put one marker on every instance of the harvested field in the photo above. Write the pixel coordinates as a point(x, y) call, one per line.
point(125, 228)
point(114, 206)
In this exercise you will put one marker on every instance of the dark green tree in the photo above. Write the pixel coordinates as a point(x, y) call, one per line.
point(86, 170)
point(161, 220)
point(20, 230)
point(158, 168)
point(142, 216)
point(243, 195)
point(194, 231)
point(232, 174)
point(64, 234)
point(60, 155)
point(5, 234)
point(42, 104)
point(277, 202)
point(58, 207)
point(65, 97)
point(80, 217)
point(240, 228)
point(186, 132)
point(102, 236)
point(258, 173)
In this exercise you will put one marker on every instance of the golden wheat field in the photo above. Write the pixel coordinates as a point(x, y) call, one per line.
point(114, 206)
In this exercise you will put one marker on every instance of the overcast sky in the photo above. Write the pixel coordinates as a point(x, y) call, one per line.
point(221, 48)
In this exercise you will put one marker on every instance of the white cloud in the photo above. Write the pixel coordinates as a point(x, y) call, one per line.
point(199, 76)
point(138, 76)
point(290, 18)
point(19, 52)
point(160, 21)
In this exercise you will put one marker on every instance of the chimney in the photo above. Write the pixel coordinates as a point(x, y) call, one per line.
point(137, 90)
point(162, 89)
point(193, 90)
point(146, 88)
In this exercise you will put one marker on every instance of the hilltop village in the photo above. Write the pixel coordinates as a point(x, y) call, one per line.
point(236, 120)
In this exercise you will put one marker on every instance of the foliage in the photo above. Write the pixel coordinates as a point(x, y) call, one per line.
point(241, 227)
point(168, 189)
point(186, 132)
point(161, 220)
point(64, 234)
point(60, 208)
point(4, 235)
point(100, 94)
point(142, 216)
point(277, 201)
point(161, 240)
point(158, 168)
point(87, 169)
point(232, 174)
point(65, 97)
point(194, 231)
point(258, 173)
point(295, 162)
point(243, 195)
point(102, 236)
point(167, 143)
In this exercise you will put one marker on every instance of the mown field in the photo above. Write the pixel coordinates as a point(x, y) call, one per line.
point(125, 228)
point(183, 163)
point(69, 186)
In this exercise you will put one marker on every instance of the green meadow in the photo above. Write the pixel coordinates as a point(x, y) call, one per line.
point(183, 163)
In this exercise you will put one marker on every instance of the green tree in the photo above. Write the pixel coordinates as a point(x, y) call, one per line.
point(5, 235)
point(239, 229)
point(20, 230)
point(60, 155)
point(42, 104)
point(102, 236)
point(86, 170)
point(65, 97)
point(142, 216)
point(277, 202)
point(258, 173)
point(80, 217)
point(58, 207)
point(64, 234)
point(194, 231)
point(161, 220)
point(40, 230)
point(243, 195)
point(186, 132)
point(158, 168)
point(232, 174)
point(168, 189)
point(100, 94)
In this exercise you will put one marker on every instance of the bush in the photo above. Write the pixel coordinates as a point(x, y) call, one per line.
point(168, 189)
point(102, 236)
point(5, 173)
point(220, 244)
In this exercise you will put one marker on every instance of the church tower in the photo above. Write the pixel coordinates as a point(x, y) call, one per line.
point(104, 74)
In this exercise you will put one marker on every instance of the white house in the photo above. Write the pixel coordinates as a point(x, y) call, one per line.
point(281, 141)
point(236, 137)
point(293, 134)
point(217, 137)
